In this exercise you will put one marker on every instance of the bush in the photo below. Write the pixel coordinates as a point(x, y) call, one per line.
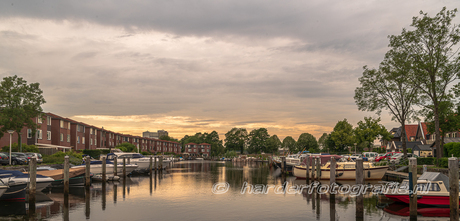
point(443, 162)
point(425, 161)
point(25, 148)
point(451, 148)
point(58, 158)
point(146, 153)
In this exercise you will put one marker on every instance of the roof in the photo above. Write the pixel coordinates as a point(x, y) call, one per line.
point(411, 130)
point(409, 144)
point(434, 176)
point(422, 147)
point(424, 128)
point(396, 132)
point(448, 140)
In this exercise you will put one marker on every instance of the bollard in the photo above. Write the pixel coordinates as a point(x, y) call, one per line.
point(161, 164)
point(115, 193)
point(313, 168)
point(425, 169)
point(155, 162)
point(87, 203)
point(115, 162)
point(283, 169)
point(307, 169)
point(87, 171)
point(104, 170)
point(66, 175)
point(359, 182)
point(129, 160)
point(124, 167)
point(33, 179)
point(332, 172)
point(454, 188)
point(332, 207)
point(318, 169)
point(104, 195)
point(66, 205)
point(413, 187)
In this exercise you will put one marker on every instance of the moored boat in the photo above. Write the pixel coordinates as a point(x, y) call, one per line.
point(96, 167)
point(41, 181)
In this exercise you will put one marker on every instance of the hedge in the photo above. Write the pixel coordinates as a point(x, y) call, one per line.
point(95, 153)
point(426, 161)
point(25, 148)
point(451, 148)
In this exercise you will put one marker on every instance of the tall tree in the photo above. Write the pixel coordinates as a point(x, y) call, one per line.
point(369, 130)
point(308, 142)
point(273, 144)
point(19, 104)
point(236, 139)
point(257, 140)
point(289, 144)
point(434, 59)
point(389, 88)
point(342, 135)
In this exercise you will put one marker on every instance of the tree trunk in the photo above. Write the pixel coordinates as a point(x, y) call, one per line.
point(19, 142)
point(437, 132)
point(403, 138)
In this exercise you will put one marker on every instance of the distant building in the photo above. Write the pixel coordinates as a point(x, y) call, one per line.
point(155, 135)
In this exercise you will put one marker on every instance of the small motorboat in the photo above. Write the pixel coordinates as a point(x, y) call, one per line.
point(432, 190)
point(41, 181)
point(16, 190)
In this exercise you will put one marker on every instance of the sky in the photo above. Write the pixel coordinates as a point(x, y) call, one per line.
point(197, 66)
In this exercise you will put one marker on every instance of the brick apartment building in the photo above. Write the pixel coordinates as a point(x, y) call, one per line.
point(195, 150)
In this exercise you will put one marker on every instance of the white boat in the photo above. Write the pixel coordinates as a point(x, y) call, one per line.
point(136, 158)
point(3, 189)
point(199, 158)
point(96, 167)
point(295, 159)
point(344, 171)
point(18, 177)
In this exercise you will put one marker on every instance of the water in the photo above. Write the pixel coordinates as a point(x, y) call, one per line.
point(185, 192)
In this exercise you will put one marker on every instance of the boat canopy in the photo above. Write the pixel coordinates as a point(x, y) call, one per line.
point(324, 158)
point(10, 173)
point(435, 176)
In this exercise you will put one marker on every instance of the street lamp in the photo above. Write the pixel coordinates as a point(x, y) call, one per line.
point(355, 147)
point(11, 134)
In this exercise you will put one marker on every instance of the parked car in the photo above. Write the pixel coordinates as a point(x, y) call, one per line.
point(397, 158)
point(370, 155)
point(386, 156)
point(4, 159)
point(36, 155)
point(17, 158)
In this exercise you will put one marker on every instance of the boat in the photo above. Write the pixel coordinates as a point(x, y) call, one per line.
point(345, 170)
point(199, 158)
point(432, 190)
point(3, 189)
point(16, 190)
point(98, 177)
point(41, 181)
point(96, 167)
point(136, 158)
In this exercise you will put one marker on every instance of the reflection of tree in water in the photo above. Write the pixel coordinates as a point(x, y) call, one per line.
point(234, 175)
point(259, 173)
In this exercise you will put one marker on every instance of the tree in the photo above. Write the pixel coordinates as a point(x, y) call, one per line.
point(168, 138)
point(217, 148)
point(273, 144)
point(308, 142)
point(388, 88)
point(369, 130)
point(322, 142)
point(434, 60)
point(449, 120)
point(235, 139)
point(127, 147)
point(330, 144)
point(289, 143)
point(257, 140)
point(19, 104)
point(342, 135)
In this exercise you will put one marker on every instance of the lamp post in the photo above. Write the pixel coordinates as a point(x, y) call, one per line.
point(11, 134)
point(355, 147)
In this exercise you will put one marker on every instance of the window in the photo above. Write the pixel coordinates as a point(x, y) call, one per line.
point(62, 137)
point(95, 132)
point(68, 138)
point(39, 134)
point(61, 123)
point(29, 133)
point(48, 120)
point(40, 120)
point(95, 141)
point(78, 139)
point(90, 141)
point(68, 125)
point(48, 135)
point(83, 140)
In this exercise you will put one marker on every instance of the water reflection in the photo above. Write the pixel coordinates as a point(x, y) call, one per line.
point(185, 192)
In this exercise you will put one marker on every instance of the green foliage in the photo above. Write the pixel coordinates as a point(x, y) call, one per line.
point(409, 150)
point(425, 160)
point(452, 148)
point(146, 153)
point(289, 144)
point(25, 148)
point(442, 162)
point(168, 138)
point(20, 103)
point(369, 130)
point(217, 148)
point(95, 153)
point(257, 140)
point(236, 139)
point(342, 135)
point(58, 158)
point(230, 154)
point(127, 147)
point(308, 142)
point(273, 144)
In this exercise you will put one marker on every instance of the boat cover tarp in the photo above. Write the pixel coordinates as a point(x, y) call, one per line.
point(324, 158)
point(435, 176)
point(59, 174)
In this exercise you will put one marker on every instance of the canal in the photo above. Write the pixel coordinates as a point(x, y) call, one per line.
point(205, 190)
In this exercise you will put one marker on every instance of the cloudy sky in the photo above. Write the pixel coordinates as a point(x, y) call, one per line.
point(197, 66)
